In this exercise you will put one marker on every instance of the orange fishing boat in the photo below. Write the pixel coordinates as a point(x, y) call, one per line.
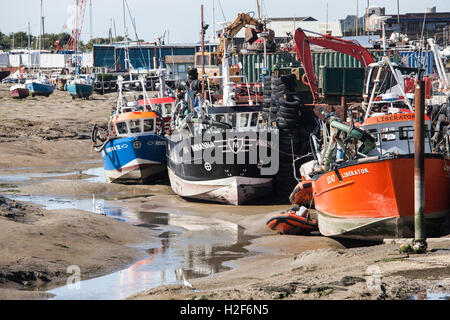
point(373, 198)
point(365, 189)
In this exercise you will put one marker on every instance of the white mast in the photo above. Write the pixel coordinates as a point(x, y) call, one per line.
point(127, 54)
point(77, 33)
point(90, 15)
point(29, 48)
point(40, 36)
point(226, 81)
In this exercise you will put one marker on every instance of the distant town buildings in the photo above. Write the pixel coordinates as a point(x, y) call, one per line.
point(434, 24)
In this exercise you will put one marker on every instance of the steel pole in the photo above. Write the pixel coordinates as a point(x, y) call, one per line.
point(203, 57)
point(419, 243)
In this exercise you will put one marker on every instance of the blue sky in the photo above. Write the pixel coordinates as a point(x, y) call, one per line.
point(182, 17)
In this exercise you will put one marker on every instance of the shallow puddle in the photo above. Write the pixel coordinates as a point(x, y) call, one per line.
point(95, 175)
point(432, 296)
point(188, 246)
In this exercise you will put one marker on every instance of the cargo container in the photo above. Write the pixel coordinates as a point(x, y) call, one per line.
point(252, 64)
point(341, 81)
point(142, 56)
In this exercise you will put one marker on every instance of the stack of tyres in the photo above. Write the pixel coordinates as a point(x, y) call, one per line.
point(192, 74)
point(267, 97)
point(286, 112)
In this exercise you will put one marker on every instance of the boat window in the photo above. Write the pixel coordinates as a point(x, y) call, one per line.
point(135, 126)
point(405, 133)
point(157, 107)
point(232, 119)
point(388, 134)
point(122, 128)
point(213, 59)
point(149, 125)
point(168, 108)
point(254, 120)
point(373, 133)
point(219, 117)
point(199, 60)
point(243, 119)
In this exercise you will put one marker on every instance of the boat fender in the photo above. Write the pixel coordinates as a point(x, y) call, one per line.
point(302, 193)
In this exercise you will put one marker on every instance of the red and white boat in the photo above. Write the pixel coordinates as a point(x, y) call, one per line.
point(367, 192)
point(19, 91)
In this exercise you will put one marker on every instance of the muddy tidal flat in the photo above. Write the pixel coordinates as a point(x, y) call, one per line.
point(60, 223)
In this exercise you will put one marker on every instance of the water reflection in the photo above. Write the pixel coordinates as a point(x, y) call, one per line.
point(97, 175)
point(187, 247)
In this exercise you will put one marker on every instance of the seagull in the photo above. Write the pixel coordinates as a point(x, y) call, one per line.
point(97, 208)
point(186, 283)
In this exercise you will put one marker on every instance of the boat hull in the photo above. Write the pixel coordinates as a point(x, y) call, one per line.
point(78, 90)
point(232, 190)
point(375, 200)
point(20, 93)
point(230, 182)
point(135, 160)
point(39, 89)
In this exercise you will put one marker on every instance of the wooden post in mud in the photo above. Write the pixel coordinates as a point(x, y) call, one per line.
point(419, 243)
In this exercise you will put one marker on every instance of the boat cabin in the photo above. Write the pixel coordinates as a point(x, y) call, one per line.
point(394, 133)
point(239, 118)
point(162, 105)
point(135, 123)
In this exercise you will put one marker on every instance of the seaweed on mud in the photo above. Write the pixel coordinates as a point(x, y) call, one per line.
point(12, 210)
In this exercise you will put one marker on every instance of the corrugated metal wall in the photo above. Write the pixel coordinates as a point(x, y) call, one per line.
point(103, 56)
point(252, 63)
point(413, 59)
point(140, 57)
point(4, 59)
point(52, 61)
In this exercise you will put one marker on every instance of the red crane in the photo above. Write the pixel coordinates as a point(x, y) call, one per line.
point(77, 26)
point(303, 49)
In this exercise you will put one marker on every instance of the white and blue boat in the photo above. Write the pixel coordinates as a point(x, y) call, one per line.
point(134, 148)
point(41, 86)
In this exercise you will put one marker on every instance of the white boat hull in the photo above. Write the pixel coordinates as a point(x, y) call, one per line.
point(232, 190)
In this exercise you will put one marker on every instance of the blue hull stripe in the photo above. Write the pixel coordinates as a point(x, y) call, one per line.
point(40, 88)
point(120, 152)
point(83, 90)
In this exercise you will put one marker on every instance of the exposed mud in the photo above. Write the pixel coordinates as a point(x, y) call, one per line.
point(45, 152)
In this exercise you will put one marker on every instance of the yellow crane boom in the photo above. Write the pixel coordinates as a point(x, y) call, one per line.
point(230, 31)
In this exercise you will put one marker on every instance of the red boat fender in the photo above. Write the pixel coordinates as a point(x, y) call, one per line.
point(294, 222)
point(302, 193)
